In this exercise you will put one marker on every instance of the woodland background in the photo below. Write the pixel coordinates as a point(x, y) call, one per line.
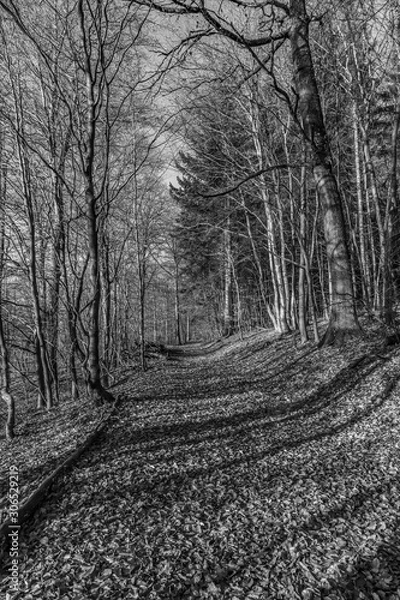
point(278, 125)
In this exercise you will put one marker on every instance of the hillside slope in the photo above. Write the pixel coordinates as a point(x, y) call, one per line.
point(247, 470)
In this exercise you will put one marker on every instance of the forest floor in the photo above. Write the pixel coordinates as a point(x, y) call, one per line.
point(244, 470)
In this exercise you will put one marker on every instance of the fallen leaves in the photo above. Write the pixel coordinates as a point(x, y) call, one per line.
point(251, 474)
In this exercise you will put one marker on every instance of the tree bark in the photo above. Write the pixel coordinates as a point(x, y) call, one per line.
point(95, 387)
point(4, 362)
point(227, 317)
point(5, 384)
point(302, 308)
point(342, 318)
point(177, 306)
point(279, 318)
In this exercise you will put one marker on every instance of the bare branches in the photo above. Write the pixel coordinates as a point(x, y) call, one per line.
point(266, 3)
point(221, 25)
point(254, 175)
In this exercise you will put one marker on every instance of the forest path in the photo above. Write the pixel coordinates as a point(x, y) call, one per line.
point(257, 470)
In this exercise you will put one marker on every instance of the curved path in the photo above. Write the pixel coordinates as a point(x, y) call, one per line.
point(235, 475)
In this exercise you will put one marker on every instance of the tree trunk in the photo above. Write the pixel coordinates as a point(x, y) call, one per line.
point(303, 260)
point(44, 374)
point(391, 267)
point(93, 371)
point(342, 318)
point(363, 262)
point(4, 363)
point(279, 319)
point(227, 317)
point(260, 274)
point(5, 384)
point(142, 319)
point(177, 303)
point(106, 286)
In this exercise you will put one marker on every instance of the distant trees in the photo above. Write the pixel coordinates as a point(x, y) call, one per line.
point(371, 80)
point(290, 22)
point(80, 129)
point(285, 209)
point(285, 44)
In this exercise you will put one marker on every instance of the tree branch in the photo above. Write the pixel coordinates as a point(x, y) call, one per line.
point(254, 175)
point(179, 7)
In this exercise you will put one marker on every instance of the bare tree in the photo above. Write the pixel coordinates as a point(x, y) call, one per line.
point(289, 22)
point(4, 359)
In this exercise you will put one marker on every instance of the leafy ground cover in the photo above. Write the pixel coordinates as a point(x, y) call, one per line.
point(43, 440)
point(258, 470)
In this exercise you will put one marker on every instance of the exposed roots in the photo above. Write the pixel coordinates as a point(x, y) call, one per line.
point(338, 336)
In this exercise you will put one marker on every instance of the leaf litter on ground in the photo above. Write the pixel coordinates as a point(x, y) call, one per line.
point(258, 471)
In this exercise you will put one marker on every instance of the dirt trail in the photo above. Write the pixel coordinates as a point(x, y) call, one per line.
point(240, 471)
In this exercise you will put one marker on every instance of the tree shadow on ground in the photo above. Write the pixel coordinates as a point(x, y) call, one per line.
point(205, 437)
point(249, 433)
point(274, 410)
point(221, 379)
point(376, 576)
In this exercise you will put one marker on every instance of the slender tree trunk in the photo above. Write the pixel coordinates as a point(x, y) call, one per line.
point(342, 318)
point(188, 328)
point(238, 324)
point(177, 302)
point(281, 259)
point(4, 362)
point(93, 357)
point(372, 189)
point(228, 285)
point(106, 287)
point(44, 375)
point(5, 385)
point(155, 328)
point(141, 266)
point(142, 316)
point(303, 260)
point(363, 262)
point(227, 316)
point(260, 274)
point(279, 318)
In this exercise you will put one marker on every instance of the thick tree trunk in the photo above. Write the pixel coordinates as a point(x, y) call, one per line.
point(93, 371)
point(391, 268)
point(342, 318)
point(95, 386)
point(93, 358)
